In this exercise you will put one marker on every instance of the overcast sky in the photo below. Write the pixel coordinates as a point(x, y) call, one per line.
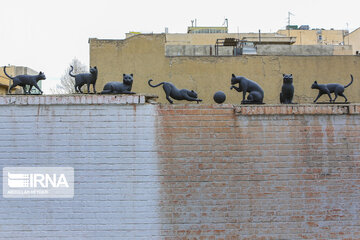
point(46, 35)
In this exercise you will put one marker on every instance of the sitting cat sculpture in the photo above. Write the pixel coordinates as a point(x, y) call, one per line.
point(23, 80)
point(287, 90)
point(118, 87)
point(256, 94)
point(172, 91)
point(85, 78)
point(335, 88)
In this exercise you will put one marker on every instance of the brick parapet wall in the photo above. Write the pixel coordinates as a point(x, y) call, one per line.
point(299, 109)
point(154, 171)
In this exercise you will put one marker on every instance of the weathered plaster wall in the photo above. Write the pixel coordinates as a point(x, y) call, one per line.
point(184, 171)
point(144, 56)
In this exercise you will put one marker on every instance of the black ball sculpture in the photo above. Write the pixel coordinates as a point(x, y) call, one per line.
point(219, 97)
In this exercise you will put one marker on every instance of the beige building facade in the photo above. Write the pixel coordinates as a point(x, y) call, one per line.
point(353, 39)
point(4, 80)
point(315, 37)
point(144, 56)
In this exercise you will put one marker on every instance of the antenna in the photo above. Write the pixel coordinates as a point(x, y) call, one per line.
point(347, 28)
point(289, 17)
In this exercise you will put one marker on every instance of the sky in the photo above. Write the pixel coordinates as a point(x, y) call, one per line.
point(46, 35)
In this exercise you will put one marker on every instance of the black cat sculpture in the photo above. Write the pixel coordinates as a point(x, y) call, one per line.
point(256, 94)
point(118, 87)
point(287, 90)
point(335, 88)
point(172, 91)
point(85, 78)
point(23, 80)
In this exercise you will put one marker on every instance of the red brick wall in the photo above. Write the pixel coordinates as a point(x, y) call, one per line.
point(266, 172)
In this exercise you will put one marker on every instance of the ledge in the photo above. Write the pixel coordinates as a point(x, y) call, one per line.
point(298, 109)
point(74, 99)
point(98, 99)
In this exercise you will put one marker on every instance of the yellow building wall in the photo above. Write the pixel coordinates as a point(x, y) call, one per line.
point(144, 56)
point(4, 80)
point(343, 50)
point(310, 37)
point(354, 39)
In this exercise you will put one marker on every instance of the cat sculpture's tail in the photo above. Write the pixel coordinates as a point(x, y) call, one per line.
point(7, 74)
point(352, 79)
point(72, 68)
point(154, 85)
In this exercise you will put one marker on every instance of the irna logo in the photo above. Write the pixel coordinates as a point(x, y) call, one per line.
point(20, 180)
point(38, 182)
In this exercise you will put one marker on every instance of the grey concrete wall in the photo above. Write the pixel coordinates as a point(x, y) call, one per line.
point(19, 70)
point(196, 50)
point(296, 50)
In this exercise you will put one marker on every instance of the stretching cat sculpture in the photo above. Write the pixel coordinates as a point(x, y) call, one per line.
point(335, 88)
point(85, 78)
point(118, 87)
point(287, 89)
point(172, 91)
point(256, 94)
point(23, 80)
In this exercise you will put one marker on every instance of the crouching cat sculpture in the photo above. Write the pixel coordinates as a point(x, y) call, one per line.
point(287, 89)
point(118, 87)
point(23, 80)
point(85, 78)
point(256, 94)
point(172, 91)
point(335, 88)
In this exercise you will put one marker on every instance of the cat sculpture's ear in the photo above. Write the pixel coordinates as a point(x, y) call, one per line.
point(123, 74)
point(40, 72)
point(132, 75)
point(315, 82)
point(291, 75)
point(95, 67)
point(192, 90)
point(233, 75)
point(284, 75)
